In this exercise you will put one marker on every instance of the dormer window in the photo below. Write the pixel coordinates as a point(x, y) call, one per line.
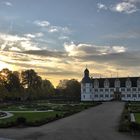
point(96, 84)
point(117, 83)
point(138, 83)
point(106, 83)
point(128, 83)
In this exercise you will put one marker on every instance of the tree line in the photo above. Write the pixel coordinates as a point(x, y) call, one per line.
point(28, 85)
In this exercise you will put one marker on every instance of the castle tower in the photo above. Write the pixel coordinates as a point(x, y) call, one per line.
point(86, 87)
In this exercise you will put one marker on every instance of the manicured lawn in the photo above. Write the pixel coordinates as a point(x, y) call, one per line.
point(125, 123)
point(16, 108)
point(134, 107)
point(137, 117)
point(38, 118)
point(31, 117)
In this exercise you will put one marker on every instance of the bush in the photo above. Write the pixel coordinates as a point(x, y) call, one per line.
point(7, 124)
point(124, 126)
point(56, 116)
point(135, 126)
point(21, 121)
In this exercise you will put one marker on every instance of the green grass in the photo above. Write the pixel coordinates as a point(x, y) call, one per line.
point(16, 108)
point(39, 118)
point(31, 117)
point(125, 124)
point(137, 117)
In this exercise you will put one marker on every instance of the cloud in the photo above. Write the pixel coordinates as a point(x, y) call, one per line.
point(115, 56)
point(47, 53)
point(59, 29)
point(87, 49)
point(35, 35)
point(69, 62)
point(16, 43)
point(101, 6)
point(125, 7)
point(7, 3)
point(63, 38)
point(52, 28)
point(43, 23)
point(132, 1)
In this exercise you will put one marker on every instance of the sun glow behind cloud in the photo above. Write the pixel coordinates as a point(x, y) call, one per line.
point(59, 45)
point(57, 65)
point(5, 65)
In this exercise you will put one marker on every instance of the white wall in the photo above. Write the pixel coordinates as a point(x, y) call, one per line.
point(90, 94)
point(86, 92)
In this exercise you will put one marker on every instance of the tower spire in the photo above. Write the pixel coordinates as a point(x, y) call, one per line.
point(86, 73)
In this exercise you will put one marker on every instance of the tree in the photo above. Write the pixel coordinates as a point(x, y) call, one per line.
point(31, 83)
point(10, 80)
point(69, 89)
point(3, 91)
point(47, 87)
point(62, 84)
point(30, 79)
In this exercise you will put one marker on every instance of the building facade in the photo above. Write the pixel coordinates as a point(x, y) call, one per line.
point(107, 89)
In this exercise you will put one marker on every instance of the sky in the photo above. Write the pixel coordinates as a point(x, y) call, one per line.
point(59, 38)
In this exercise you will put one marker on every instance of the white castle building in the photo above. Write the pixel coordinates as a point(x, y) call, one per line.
point(106, 89)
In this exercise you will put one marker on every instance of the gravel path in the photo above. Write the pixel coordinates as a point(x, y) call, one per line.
point(8, 115)
point(97, 123)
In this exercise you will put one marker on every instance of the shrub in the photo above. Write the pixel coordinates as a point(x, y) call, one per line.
point(135, 126)
point(56, 116)
point(21, 121)
point(124, 126)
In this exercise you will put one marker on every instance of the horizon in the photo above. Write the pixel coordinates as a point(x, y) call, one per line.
point(63, 37)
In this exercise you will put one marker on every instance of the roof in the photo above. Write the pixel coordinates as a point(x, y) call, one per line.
point(86, 80)
point(112, 81)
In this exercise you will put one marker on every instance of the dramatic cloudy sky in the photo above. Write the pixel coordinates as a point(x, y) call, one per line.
point(58, 38)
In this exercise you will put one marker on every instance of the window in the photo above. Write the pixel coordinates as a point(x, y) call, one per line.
point(123, 89)
point(112, 90)
point(134, 89)
point(96, 83)
point(96, 90)
point(134, 95)
point(128, 95)
point(139, 95)
point(117, 83)
point(84, 89)
point(106, 95)
point(138, 89)
point(101, 90)
point(128, 89)
point(106, 90)
point(96, 96)
point(101, 95)
point(106, 83)
point(138, 83)
point(84, 96)
point(128, 83)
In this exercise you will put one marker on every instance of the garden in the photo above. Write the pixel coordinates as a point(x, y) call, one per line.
point(130, 119)
point(39, 113)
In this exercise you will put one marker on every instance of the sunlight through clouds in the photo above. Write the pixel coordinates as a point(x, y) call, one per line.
point(59, 39)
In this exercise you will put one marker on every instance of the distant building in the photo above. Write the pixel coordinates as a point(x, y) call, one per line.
point(106, 89)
